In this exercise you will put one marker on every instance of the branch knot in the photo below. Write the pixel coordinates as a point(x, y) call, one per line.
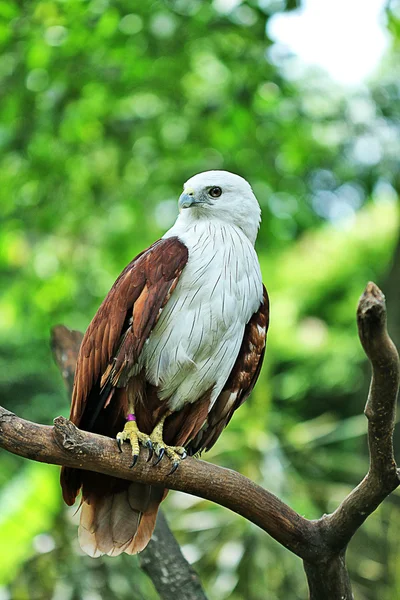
point(68, 436)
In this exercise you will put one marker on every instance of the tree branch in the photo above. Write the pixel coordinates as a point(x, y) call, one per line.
point(380, 410)
point(173, 577)
point(65, 444)
point(328, 577)
point(322, 543)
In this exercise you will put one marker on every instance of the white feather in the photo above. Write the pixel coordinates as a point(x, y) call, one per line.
point(198, 336)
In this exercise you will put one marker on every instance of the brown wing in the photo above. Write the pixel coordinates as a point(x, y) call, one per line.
point(241, 381)
point(111, 346)
point(115, 337)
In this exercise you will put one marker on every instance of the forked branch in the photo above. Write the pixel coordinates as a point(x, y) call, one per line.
point(380, 410)
point(322, 543)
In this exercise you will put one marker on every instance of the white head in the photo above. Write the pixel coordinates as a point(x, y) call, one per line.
point(223, 196)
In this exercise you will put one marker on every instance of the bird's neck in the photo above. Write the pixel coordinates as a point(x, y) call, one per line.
point(193, 225)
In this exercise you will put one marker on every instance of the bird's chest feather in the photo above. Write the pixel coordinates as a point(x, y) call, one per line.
point(203, 322)
point(221, 282)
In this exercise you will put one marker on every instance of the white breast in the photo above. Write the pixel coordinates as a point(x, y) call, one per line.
point(197, 339)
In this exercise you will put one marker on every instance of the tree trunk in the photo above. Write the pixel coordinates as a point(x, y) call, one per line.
point(329, 580)
point(164, 563)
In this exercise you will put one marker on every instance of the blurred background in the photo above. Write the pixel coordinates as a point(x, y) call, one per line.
point(106, 109)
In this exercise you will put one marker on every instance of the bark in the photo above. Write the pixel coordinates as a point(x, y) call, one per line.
point(164, 563)
point(380, 410)
point(329, 579)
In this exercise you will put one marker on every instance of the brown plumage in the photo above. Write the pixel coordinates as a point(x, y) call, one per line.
point(117, 515)
point(111, 344)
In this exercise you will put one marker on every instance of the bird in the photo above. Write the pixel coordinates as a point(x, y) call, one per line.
point(173, 350)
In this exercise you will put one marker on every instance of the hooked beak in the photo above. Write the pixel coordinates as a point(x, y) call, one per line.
point(189, 199)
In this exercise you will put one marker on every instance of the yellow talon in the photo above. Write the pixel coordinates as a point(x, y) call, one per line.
point(174, 453)
point(154, 442)
point(135, 437)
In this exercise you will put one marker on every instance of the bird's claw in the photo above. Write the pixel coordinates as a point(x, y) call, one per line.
point(134, 460)
point(160, 455)
point(175, 465)
point(154, 443)
point(136, 439)
point(175, 454)
point(149, 445)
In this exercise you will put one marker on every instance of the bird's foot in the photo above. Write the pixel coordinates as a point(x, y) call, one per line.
point(135, 437)
point(175, 453)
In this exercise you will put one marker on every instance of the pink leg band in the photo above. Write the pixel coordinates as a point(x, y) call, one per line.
point(131, 418)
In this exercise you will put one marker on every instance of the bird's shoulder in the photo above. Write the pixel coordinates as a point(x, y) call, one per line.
point(133, 305)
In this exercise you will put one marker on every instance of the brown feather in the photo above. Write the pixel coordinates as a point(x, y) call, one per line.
point(119, 516)
point(166, 259)
point(147, 522)
point(184, 425)
point(149, 409)
point(119, 522)
point(111, 341)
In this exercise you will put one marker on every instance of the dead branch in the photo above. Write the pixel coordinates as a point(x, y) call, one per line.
point(382, 478)
point(380, 410)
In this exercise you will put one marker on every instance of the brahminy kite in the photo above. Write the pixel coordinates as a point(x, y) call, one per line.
point(174, 349)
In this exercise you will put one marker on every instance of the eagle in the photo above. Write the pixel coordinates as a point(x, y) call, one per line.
point(173, 350)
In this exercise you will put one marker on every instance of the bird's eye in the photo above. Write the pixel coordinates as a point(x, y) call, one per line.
point(215, 192)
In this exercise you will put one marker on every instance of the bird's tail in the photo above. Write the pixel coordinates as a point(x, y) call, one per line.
point(119, 522)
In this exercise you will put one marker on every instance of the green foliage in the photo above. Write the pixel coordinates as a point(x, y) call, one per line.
point(106, 109)
point(25, 513)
